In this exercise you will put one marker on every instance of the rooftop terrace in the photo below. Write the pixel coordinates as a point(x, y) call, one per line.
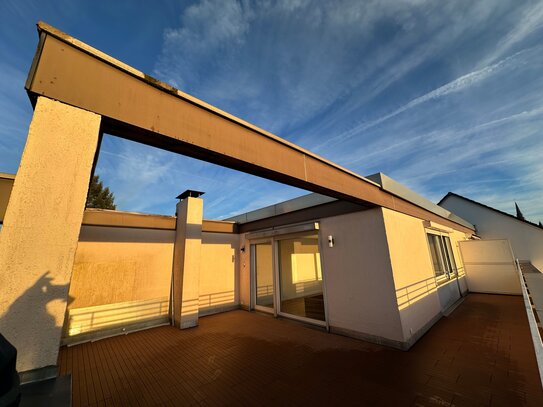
point(482, 354)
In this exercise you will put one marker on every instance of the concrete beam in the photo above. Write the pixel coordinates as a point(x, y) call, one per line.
point(41, 229)
point(138, 107)
point(106, 217)
point(6, 184)
point(187, 256)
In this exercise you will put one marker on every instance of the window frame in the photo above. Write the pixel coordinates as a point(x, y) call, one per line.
point(445, 252)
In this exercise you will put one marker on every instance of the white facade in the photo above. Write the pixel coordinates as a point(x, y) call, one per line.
point(526, 239)
point(378, 279)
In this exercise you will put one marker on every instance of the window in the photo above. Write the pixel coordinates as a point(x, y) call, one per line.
point(442, 255)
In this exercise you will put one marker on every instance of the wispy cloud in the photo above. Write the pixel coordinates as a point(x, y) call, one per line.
point(427, 92)
point(15, 115)
point(146, 179)
point(529, 22)
point(440, 95)
point(457, 85)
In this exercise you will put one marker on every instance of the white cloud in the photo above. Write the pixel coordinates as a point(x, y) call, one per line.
point(530, 21)
point(457, 85)
point(425, 90)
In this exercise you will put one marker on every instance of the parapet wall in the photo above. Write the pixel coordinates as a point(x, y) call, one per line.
point(122, 273)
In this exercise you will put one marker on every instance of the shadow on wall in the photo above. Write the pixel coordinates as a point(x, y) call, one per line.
point(27, 330)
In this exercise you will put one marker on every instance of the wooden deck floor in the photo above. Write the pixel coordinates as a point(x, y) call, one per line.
point(481, 355)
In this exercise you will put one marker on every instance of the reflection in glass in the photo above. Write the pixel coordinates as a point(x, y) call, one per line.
point(451, 264)
point(300, 276)
point(434, 243)
point(264, 274)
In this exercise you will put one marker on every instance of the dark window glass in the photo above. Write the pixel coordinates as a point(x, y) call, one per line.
point(442, 255)
point(436, 252)
point(450, 255)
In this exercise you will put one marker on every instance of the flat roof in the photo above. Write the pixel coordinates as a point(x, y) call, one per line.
point(310, 200)
point(394, 187)
point(449, 194)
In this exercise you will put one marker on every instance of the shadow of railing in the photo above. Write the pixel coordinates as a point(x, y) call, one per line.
point(90, 319)
point(216, 299)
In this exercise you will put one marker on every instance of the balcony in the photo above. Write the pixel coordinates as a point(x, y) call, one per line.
point(482, 354)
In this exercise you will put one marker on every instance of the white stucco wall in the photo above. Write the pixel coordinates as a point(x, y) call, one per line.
point(358, 275)
point(378, 256)
point(421, 297)
point(526, 240)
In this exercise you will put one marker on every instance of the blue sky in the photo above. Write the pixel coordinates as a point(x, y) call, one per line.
point(441, 96)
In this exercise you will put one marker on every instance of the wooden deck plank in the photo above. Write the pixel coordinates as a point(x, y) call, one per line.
point(103, 371)
point(479, 355)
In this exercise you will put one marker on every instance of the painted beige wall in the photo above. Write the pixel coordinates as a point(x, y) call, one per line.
point(115, 265)
point(218, 272)
point(121, 264)
point(123, 275)
point(358, 275)
point(421, 298)
point(41, 227)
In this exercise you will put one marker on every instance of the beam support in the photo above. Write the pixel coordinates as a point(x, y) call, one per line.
point(138, 107)
point(41, 228)
point(186, 262)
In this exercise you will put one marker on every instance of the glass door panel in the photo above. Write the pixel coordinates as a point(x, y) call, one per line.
point(300, 277)
point(263, 275)
point(450, 256)
point(437, 258)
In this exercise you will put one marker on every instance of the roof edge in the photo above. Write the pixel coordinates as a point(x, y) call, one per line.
point(451, 194)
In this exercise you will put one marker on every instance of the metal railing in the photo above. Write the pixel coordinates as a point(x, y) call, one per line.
point(413, 292)
point(532, 320)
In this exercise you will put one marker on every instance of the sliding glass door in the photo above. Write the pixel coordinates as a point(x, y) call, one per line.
point(300, 277)
point(287, 277)
point(263, 276)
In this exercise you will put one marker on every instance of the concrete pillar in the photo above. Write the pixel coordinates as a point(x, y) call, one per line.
point(41, 229)
point(186, 260)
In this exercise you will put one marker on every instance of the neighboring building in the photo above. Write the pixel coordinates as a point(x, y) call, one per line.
point(526, 238)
